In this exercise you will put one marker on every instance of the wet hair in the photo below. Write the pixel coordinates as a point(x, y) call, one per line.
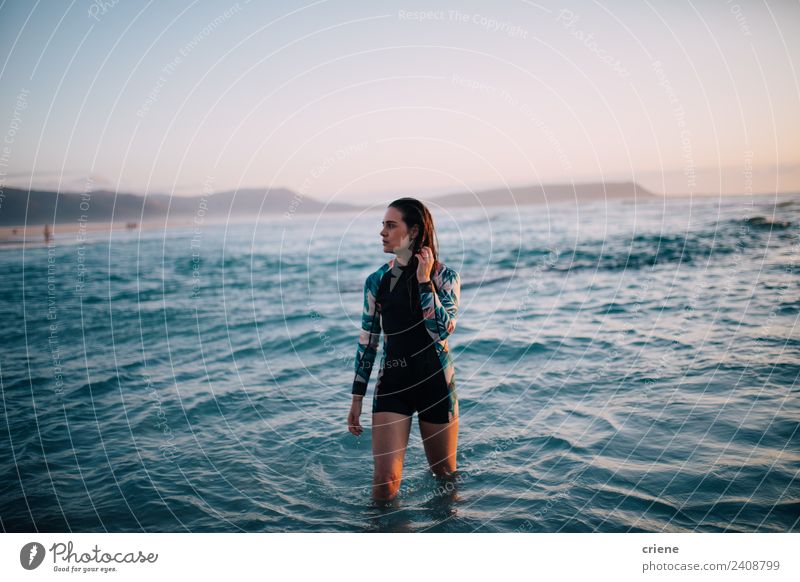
point(415, 213)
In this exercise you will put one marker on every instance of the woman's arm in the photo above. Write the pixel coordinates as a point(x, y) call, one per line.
point(440, 303)
point(368, 338)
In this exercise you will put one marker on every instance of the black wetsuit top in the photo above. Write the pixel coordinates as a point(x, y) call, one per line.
point(411, 377)
point(401, 315)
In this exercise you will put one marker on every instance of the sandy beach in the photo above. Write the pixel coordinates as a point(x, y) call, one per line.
point(34, 233)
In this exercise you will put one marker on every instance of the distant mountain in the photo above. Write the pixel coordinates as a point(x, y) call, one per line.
point(104, 206)
point(17, 208)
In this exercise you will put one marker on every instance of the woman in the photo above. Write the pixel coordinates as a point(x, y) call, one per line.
point(414, 299)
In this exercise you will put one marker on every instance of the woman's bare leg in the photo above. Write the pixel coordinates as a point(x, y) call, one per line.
point(390, 432)
point(441, 443)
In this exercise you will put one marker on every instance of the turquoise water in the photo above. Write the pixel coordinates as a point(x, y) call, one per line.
point(622, 368)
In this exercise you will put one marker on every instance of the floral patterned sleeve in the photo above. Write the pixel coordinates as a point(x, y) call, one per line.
point(439, 298)
point(368, 338)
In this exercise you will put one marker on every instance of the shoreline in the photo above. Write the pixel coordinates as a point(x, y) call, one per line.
point(34, 233)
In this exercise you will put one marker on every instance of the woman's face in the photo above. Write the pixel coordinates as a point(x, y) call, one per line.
point(395, 234)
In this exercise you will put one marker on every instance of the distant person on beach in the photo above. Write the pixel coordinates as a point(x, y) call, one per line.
point(47, 233)
point(414, 299)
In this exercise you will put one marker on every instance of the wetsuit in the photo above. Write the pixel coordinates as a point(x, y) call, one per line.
point(416, 370)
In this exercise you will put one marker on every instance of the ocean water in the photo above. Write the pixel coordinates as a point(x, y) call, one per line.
point(620, 368)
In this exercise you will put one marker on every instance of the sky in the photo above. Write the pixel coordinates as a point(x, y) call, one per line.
point(345, 101)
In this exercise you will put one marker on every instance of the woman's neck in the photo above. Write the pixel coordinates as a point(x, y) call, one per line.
point(403, 257)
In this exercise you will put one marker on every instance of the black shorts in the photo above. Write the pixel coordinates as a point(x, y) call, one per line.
point(418, 385)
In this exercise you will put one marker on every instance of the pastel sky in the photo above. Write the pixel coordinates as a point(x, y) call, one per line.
point(345, 100)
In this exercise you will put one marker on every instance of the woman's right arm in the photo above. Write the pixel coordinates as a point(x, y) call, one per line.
point(368, 338)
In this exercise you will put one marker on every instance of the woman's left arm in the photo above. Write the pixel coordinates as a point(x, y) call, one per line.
point(439, 300)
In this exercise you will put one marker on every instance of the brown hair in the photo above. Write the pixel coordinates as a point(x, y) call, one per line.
point(415, 213)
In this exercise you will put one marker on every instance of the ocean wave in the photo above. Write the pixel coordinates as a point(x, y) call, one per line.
point(646, 250)
point(765, 223)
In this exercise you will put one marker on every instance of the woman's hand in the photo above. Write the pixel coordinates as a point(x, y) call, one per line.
point(353, 424)
point(424, 264)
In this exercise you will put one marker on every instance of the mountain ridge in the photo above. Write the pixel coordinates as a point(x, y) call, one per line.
point(19, 207)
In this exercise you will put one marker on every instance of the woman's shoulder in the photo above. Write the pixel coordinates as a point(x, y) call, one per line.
point(445, 275)
point(374, 278)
